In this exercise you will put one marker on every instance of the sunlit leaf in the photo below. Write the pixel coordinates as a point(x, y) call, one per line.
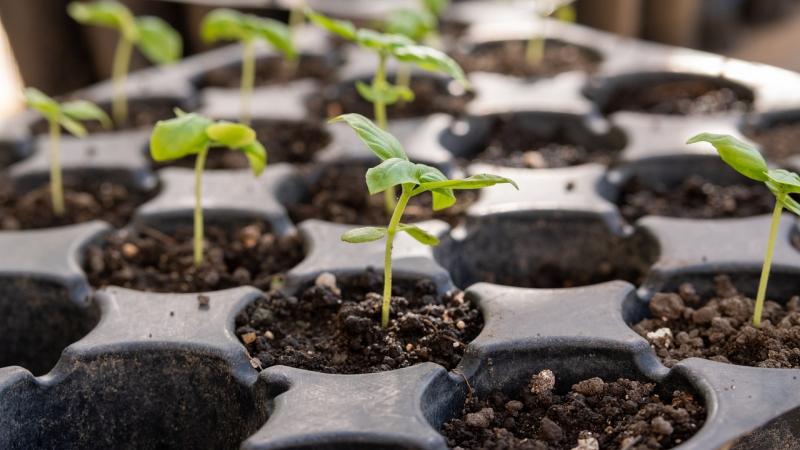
point(342, 28)
point(83, 110)
point(381, 142)
point(72, 126)
point(158, 41)
point(179, 137)
point(430, 59)
point(740, 156)
point(364, 234)
point(276, 33)
point(392, 172)
point(105, 13)
point(222, 24)
point(233, 135)
point(419, 234)
point(41, 102)
point(256, 155)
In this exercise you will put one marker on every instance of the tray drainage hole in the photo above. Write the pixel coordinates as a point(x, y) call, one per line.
point(39, 320)
point(546, 252)
point(142, 398)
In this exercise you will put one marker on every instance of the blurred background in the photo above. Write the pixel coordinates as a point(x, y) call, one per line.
point(41, 46)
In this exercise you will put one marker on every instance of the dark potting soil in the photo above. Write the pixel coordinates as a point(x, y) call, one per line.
point(292, 142)
point(509, 58)
point(514, 145)
point(431, 96)
point(685, 97)
point(141, 114)
point(335, 327)
point(340, 195)
point(622, 414)
point(270, 70)
point(685, 324)
point(84, 200)
point(779, 141)
point(146, 259)
point(695, 198)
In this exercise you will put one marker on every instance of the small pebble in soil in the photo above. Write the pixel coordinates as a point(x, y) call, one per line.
point(333, 326)
point(719, 327)
point(594, 414)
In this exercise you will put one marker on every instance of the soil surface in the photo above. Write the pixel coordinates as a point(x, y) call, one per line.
point(695, 198)
point(292, 142)
point(431, 96)
point(685, 97)
point(685, 324)
point(509, 58)
point(270, 70)
point(146, 259)
point(335, 327)
point(779, 141)
point(623, 414)
point(514, 145)
point(84, 200)
point(340, 195)
point(141, 114)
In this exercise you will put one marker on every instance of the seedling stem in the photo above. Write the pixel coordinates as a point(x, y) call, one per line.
point(56, 185)
point(387, 257)
point(765, 269)
point(198, 206)
point(248, 78)
point(119, 75)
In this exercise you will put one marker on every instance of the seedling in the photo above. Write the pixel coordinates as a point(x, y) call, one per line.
point(154, 38)
point(67, 115)
point(192, 134)
point(399, 47)
point(227, 24)
point(782, 183)
point(413, 179)
point(563, 10)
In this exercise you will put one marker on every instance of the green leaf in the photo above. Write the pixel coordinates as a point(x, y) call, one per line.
point(105, 13)
point(788, 181)
point(422, 236)
point(381, 142)
point(430, 59)
point(740, 156)
point(411, 23)
point(276, 33)
point(474, 182)
point(223, 24)
point(72, 126)
point(392, 172)
point(233, 135)
point(341, 28)
point(83, 110)
point(41, 102)
point(179, 137)
point(443, 198)
point(381, 42)
point(566, 13)
point(366, 92)
point(435, 7)
point(792, 205)
point(365, 234)
point(389, 95)
point(256, 155)
point(158, 41)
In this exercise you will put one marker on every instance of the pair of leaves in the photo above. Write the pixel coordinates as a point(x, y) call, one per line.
point(412, 23)
point(746, 160)
point(154, 37)
point(230, 25)
point(388, 94)
point(189, 134)
point(369, 234)
point(68, 114)
point(398, 46)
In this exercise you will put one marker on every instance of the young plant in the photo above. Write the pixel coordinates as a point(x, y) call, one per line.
point(782, 183)
point(382, 93)
point(563, 10)
point(413, 179)
point(229, 25)
point(67, 115)
point(154, 38)
point(192, 134)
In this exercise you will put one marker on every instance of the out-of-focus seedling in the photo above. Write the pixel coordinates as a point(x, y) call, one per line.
point(561, 9)
point(67, 115)
point(782, 183)
point(413, 179)
point(227, 24)
point(193, 134)
point(157, 41)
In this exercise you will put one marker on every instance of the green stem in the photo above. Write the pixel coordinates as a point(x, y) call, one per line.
point(56, 185)
point(198, 207)
point(378, 87)
point(297, 18)
point(387, 257)
point(534, 53)
point(403, 78)
point(762, 285)
point(119, 73)
point(248, 78)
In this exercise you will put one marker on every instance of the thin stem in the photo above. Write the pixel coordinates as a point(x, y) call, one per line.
point(378, 87)
point(403, 77)
point(762, 285)
point(297, 18)
point(248, 78)
point(119, 73)
point(387, 257)
point(198, 207)
point(534, 53)
point(56, 185)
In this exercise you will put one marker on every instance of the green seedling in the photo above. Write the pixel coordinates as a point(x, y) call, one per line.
point(782, 183)
point(154, 38)
point(413, 179)
point(192, 134)
point(561, 9)
point(67, 115)
point(382, 93)
point(229, 25)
